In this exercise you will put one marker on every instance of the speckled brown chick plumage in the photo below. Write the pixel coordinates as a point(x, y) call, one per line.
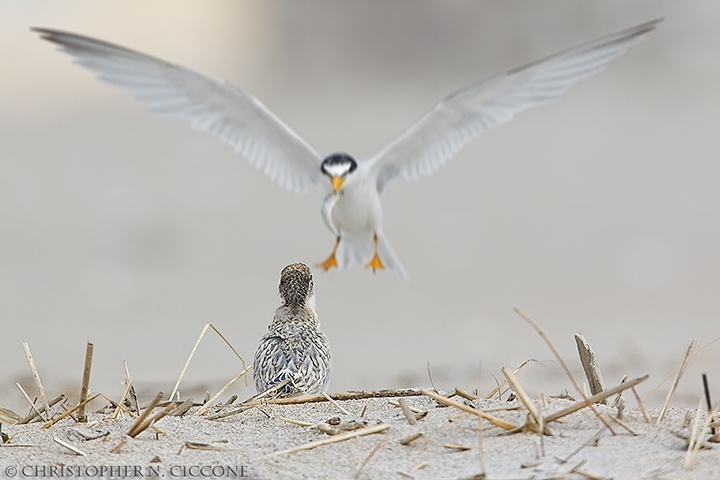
point(294, 347)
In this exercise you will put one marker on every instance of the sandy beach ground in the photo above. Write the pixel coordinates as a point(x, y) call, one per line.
point(253, 445)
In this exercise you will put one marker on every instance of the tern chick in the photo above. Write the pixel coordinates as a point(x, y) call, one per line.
point(294, 355)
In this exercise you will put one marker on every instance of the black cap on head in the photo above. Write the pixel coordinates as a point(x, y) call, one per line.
point(337, 162)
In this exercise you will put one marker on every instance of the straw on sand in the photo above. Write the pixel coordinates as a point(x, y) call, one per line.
point(210, 402)
point(563, 365)
point(539, 426)
point(498, 422)
point(674, 385)
point(142, 422)
point(336, 438)
point(194, 349)
point(589, 362)
point(85, 381)
point(36, 376)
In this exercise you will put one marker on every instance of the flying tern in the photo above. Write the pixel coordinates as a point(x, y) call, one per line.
point(352, 209)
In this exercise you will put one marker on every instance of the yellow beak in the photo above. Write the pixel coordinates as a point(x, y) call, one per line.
point(337, 183)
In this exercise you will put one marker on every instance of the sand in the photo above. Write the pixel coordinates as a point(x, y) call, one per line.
point(250, 445)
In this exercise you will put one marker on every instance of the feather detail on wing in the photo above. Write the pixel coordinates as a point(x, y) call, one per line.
point(456, 120)
point(214, 106)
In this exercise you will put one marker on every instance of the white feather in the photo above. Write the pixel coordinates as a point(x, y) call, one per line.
point(439, 134)
point(233, 115)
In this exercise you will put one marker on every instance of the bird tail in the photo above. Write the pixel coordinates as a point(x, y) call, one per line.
point(388, 257)
point(349, 252)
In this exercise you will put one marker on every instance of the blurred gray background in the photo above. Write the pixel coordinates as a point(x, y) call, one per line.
point(596, 214)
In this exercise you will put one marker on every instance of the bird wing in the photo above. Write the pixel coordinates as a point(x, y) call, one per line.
point(437, 136)
point(215, 106)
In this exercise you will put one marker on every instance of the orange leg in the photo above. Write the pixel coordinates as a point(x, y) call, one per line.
point(330, 262)
point(375, 263)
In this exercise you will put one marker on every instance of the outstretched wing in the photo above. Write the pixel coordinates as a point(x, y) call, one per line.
point(214, 106)
point(451, 124)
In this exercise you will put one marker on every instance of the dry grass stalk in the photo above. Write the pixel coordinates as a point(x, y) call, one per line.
point(498, 422)
point(118, 447)
point(395, 403)
point(194, 349)
point(131, 390)
point(251, 402)
point(85, 380)
point(337, 438)
point(563, 365)
point(150, 421)
point(62, 416)
point(224, 389)
point(336, 404)
point(367, 459)
point(481, 448)
point(207, 447)
point(706, 388)
point(255, 399)
point(616, 402)
point(594, 399)
point(652, 392)
point(697, 437)
point(504, 382)
point(36, 376)
point(591, 441)
point(589, 476)
point(502, 408)
point(408, 440)
point(624, 425)
point(182, 409)
point(229, 413)
point(590, 365)
point(455, 446)
point(694, 434)
point(539, 426)
point(641, 405)
point(458, 416)
point(126, 392)
point(70, 447)
point(296, 422)
point(680, 371)
point(34, 413)
point(129, 412)
point(418, 466)
point(135, 429)
point(465, 395)
point(8, 416)
point(407, 412)
point(38, 412)
point(352, 395)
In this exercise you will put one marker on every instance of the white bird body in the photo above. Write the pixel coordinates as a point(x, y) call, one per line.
point(354, 211)
point(359, 210)
point(358, 213)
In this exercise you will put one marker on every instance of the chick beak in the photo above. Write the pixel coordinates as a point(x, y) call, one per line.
point(337, 183)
